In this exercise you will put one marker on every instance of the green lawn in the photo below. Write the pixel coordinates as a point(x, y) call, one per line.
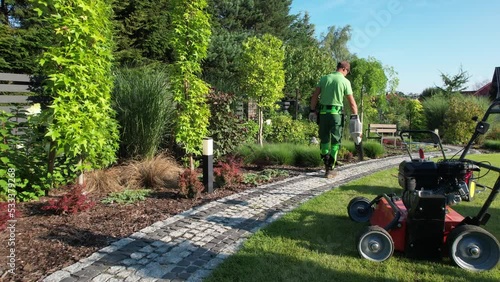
point(316, 242)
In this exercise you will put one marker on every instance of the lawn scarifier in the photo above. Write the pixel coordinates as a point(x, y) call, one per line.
point(421, 223)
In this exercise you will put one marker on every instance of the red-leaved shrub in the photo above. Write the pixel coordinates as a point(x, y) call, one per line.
point(71, 202)
point(228, 172)
point(189, 184)
point(7, 213)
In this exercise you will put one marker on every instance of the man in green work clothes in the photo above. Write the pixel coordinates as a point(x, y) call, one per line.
point(330, 93)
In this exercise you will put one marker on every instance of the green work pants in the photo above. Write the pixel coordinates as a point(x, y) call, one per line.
point(330, 134)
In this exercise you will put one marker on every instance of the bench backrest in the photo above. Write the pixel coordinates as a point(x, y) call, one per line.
point(383, 128)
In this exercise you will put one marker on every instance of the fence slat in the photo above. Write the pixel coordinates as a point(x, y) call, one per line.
point(12, 108)
point(14, 88)
point(7, 99)
point(14, 77)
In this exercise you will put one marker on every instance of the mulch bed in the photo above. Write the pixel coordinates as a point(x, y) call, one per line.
point(45, 243)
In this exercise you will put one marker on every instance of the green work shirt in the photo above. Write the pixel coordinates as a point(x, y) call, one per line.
point(333, 88)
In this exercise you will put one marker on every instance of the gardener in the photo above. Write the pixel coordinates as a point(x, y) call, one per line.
point(330, 93)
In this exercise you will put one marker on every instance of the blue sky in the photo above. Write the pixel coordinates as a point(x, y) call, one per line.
point(419, 38)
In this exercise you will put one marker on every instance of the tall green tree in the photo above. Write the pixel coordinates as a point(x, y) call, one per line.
point(454, 83)
point(335, 42)
point(255, 16)
point(78, 66)
point(22, 37)
point(219, 68)
point(189, 38)
point(262, 73)
point(368, 80)
point(141, 29)
point(305, 61)
point(232, 22)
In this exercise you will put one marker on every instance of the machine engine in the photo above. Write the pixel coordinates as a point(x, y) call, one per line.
point(422, 178)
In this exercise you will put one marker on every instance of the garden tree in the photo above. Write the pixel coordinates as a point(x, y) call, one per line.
point(255, 16)
point(232, 22)
point(305, 62)
point(392, 79)
point(368, 80)
point(219, 68)
point(304, 66)
point(189, 39)
point(141, 29)
point(335, 42)
point(430, 91)
point(78, 66)
point(415, 115)
point(22, 37)
point(454, 83)
point(262, 73)
point(435, 108)
point(458, 123)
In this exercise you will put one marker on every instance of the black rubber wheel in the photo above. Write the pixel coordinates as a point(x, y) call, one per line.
point(473, 248)
point(375, 244)
point(359, 209)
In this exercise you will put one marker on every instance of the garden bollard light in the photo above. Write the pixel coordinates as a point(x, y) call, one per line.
point(208, 165)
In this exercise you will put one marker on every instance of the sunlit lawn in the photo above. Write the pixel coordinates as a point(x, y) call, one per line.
point(316, 242)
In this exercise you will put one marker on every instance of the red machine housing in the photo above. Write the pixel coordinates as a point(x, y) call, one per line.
point(384, 214)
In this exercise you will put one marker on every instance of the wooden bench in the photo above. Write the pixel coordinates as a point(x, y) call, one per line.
point(382, 131)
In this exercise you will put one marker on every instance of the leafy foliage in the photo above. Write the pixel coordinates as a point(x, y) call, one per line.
point(435, 109)
point(126, 196)
point(72, 202)
point(454, 83)
point(283, 129)
point(145, 110)
point(368, 79)
point(26, 154)
point(492, 145)
point(305, 62)
point(373, 149)
point(227, 130)
point(141, 29)
point(190, 185)
point(22, 37)
point(8, 212)
point(263, 75)
point(190, 38)
point(228, 172)
point(335, 42)
point(458, 124)
point(78, 65)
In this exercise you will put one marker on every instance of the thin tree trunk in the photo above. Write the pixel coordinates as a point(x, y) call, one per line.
point(261, 122)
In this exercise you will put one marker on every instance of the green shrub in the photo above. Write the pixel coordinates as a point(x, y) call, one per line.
point(145, 110)
point(458, 123)
point(226, 129)
point(24, 173)
point(435, 109)
point(307, 156)
point(494, 132)
point(373, 149)
point(283, 129)
point(275, 154)
point(492, 145)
